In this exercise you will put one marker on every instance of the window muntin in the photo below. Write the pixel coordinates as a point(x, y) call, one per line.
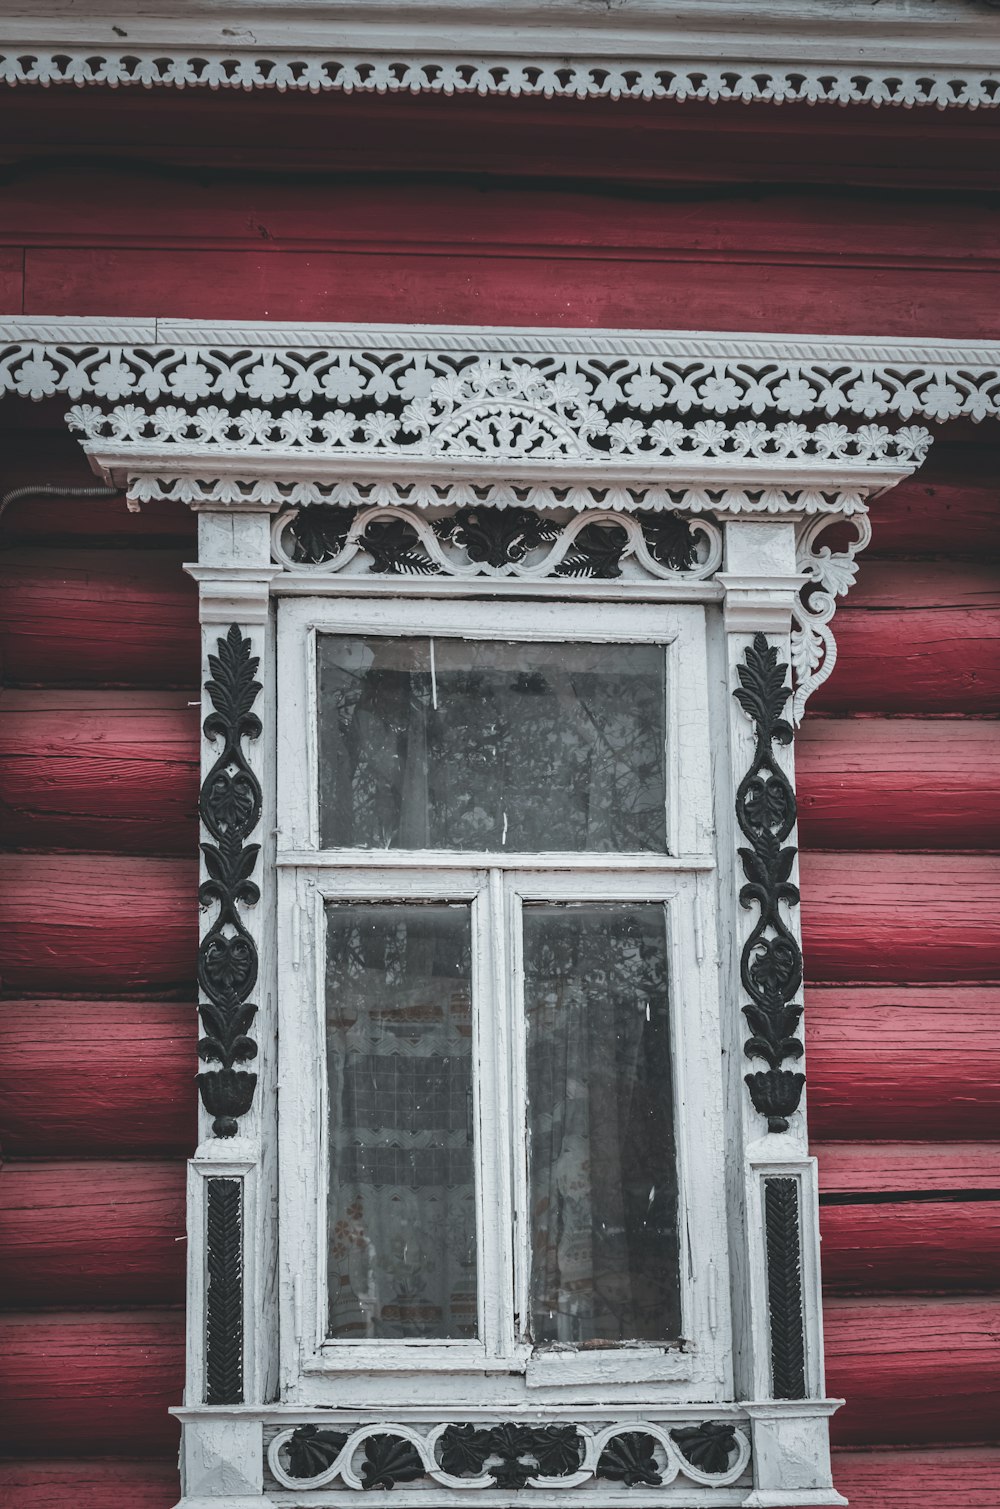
point(501, 887)
point(444, 743)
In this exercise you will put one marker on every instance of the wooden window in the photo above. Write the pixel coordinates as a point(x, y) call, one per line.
point(498, 999)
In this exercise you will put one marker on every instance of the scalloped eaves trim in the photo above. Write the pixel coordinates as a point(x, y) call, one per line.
point(378, 369)
point(391, 72)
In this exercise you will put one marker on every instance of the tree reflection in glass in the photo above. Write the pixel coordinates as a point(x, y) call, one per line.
point(471, 744)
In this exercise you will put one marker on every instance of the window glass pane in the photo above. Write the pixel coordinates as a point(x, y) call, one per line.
point(465, 744)
point(402, 1201)
point(602, 1163)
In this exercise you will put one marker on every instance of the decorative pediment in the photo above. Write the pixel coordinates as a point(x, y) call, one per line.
point(415, 441)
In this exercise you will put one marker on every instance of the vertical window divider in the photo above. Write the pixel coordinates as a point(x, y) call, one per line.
point(518, 1118)
point(492, 1088)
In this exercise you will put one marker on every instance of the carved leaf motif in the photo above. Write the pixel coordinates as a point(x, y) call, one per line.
point(762, 693)
point(630, 1459)
point(311, 1450)
point(784, 1288)
point(596, 552)
point(232, 687)
point(224, 1296)
point(390, 1460)
point(320, 532)
point(463, 1450)
point(766, 804)
point(556, 1449)
point(670, 540)
point(231, 796)
point(395, 549)
point(707, 1446)
point(497, 537)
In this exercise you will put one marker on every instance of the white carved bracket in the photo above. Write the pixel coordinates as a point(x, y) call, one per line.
point(830, 575)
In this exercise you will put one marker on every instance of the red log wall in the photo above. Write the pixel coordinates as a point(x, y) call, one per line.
point(714, 218)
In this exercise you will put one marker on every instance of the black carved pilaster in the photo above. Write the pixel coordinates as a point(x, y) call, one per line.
point(771, 961)
point(224, 1292)
point(230, 808)
point(784, 1288)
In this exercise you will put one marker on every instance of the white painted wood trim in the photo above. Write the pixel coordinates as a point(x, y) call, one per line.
point(906, 55)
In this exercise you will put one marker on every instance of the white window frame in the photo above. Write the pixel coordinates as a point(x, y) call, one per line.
point(682, 878)
point(510, 419)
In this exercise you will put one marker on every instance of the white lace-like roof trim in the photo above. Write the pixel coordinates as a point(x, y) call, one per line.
point(382, 385)
point(392, 72)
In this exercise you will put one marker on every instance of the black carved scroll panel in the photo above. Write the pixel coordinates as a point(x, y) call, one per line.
point(771, 961)
point(230, 807)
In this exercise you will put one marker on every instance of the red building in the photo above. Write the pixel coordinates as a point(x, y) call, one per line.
point(488, 468)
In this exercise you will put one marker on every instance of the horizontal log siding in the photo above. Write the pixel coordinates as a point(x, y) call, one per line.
point(97, 1103)
point(111, 1232)
point(119, 773)
point(124, 243)
point(902, 1022)
point(93, 771)
point(97, 1078)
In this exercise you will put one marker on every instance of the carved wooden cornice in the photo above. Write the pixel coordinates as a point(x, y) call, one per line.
point(413, 435)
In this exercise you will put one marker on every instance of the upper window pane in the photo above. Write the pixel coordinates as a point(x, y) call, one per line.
point(474, 744)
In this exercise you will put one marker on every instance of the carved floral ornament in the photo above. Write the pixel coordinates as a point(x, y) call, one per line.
point(646, 1455)
point(412, 442)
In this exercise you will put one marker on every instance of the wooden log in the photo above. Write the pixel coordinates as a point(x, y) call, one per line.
point(894, 1062)
point(616, 140)
point(911, 1246)
point(901, 917)
point(78, 1234)
point(491, 285)
point(99, 770)
point(86, 617)
point(90, 1385)
point(909, 1216)
point(273, 249)
point(118, 771)
point(898, 783)
point(97, 923)
point(950, 507)
point(913, 1371)
point(851, 1170)
point(917, 637)
point(85, 1484)
point(62, 521)
point(51, 457)
point(130, 208)
point(96, 1078)
point(941, 1477)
